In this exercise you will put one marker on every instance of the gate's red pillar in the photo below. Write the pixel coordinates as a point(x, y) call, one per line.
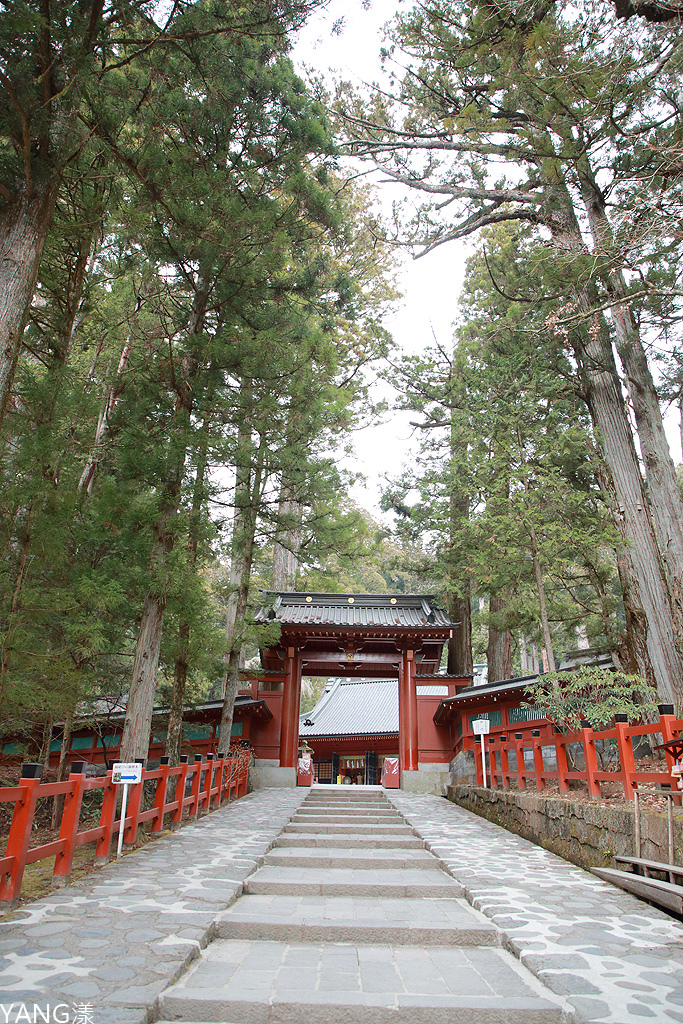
point(407, 714)
point(289, 733)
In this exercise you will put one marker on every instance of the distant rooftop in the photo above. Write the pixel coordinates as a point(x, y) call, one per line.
point(382, 610)
point(357, 707)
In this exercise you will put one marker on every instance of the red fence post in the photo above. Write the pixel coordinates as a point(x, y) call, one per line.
point(160, 795)
point(68, 830)
point(231, 774)
point(626, 758)
point(590, 758)
point(220, 770)
point(669, 725)
point(519, 754)
point(492, 762)
point(133, 809)
point(20, 831)
point(196, 782)
point(538, 759)
point(208, 781)
point(667, 722)
point(181, 782)
point(504, 762)
point(561, 758)
point(107, 821)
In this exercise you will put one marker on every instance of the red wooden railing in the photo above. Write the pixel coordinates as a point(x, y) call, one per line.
point(536, 735)
point(212, 782)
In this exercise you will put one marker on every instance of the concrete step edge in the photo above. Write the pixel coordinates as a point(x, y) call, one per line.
point(306, 842)
point(385, 889)
point(357, 932)
point(350, 863)
point(335, 1006)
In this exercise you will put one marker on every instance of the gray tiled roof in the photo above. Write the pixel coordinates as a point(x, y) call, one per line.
point(387, 610)
point(358, 707)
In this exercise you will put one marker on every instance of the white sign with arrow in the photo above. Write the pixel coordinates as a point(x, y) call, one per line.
point(480, 727)
point(125, 773)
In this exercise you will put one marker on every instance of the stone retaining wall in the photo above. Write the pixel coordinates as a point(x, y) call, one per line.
point(588, 834)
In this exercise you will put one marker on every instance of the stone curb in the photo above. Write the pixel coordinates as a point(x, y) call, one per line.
point(117, 938)
point(614, 958)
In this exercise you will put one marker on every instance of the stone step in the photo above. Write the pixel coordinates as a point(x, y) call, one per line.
point(374, 840)
point(316, 801)
point(424, 922)
point(339, 818)
point(344, 828)
point(360, 801)
point(328, 858)
point(360, 810)
point(349, 806)
point(263, 982)
point(394, 882)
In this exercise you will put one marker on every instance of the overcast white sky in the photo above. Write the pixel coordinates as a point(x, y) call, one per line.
point(430, 284)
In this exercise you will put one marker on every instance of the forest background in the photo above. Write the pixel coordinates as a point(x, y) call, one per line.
point(195, 282)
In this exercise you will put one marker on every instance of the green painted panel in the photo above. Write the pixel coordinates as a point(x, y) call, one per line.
point(55, 745)
point(524, 715)
point(197, 732)
point(81, 743)
point(493, 717)
point(12, 748)
point(236, 728)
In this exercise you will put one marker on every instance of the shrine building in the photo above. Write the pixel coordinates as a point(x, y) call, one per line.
point(382, 653)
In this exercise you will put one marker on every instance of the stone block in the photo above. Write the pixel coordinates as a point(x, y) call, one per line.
point(429, 778)
point(267, 774)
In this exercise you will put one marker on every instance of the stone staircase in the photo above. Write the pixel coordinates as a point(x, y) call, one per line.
point(350, 920)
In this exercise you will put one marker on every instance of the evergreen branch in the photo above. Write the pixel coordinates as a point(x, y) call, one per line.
point(481, 220)
point(457, 192)
point(25, 131)
point(518, 298)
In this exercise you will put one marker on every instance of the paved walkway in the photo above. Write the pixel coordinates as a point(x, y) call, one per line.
point(354, 932)
point(617, 960)
point(352, 915)
point(115, 940)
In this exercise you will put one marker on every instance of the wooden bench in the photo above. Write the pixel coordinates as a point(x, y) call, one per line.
point(664, 894)
point(644, 867)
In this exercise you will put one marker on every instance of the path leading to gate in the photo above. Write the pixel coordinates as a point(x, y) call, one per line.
point(351, 919)
point(351, 912)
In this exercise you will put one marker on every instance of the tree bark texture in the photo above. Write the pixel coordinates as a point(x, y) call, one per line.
point(665, 498)
point(460, 660)
point(653, 637)
point(460, 644)
point(65, 746)
point(287, 544)
point(24, 227)
point(88, 475)
point(499, 648)
point(138, 723)
point(248, 489)
point(548, 650)
point(175, 716)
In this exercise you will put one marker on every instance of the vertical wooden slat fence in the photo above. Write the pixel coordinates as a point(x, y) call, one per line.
point(212, 782)
point(519, 757)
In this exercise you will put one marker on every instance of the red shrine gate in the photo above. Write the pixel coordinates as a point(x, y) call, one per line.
point(360, 635)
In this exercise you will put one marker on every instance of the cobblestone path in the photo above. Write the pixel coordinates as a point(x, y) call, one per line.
point(616, 959)
point(350, 919)
point(351, 906)
point(114, 940)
